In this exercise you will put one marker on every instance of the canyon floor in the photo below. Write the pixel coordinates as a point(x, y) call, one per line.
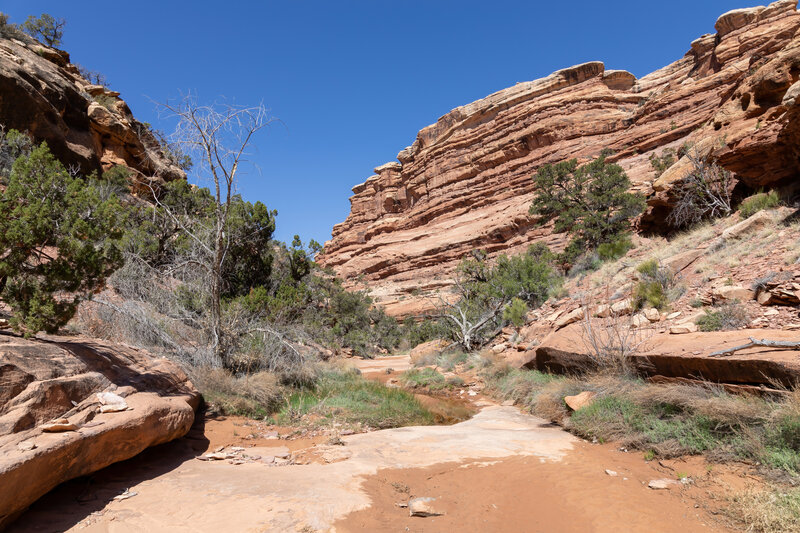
point(501, 470)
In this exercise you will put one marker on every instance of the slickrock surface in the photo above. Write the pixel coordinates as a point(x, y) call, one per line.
point(43, 94)
point(60, 378)
point(465, 182)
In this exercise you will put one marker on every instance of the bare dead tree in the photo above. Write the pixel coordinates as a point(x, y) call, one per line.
point(218, 137)
point(466, 318)
point(705, 193)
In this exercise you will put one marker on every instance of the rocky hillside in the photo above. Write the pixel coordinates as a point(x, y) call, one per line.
point(88, 125)
point(466, 183)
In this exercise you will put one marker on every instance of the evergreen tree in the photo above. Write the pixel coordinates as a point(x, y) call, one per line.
point(46, 28)
point(590, 202)
point(58, 241)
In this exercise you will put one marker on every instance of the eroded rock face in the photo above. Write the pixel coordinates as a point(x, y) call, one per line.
point(52, 424)
point(465, 182)
point(42, 94)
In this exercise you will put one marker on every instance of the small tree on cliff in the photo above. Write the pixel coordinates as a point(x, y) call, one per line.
point(488, 295)
point(218, 136)
point(590, 202)
point(46, 28)
point(58, 241)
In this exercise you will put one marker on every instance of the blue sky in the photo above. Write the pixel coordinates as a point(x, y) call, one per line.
point(353, 81)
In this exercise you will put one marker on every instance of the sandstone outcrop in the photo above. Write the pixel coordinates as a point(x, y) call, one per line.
point(87, 125)
point(685, 356)
point(70, 406)
point(465, 182)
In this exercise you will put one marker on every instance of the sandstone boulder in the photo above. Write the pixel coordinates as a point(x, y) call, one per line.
point(570, 318)
point(748, 225)
point(732, 292)
point(680, 329)
point(579, 401)
point(52, 423)
point(427, 349)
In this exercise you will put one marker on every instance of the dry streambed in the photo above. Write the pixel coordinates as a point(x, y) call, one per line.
point(501, 470)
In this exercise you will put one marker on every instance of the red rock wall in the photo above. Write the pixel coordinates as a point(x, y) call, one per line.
point(465, 182)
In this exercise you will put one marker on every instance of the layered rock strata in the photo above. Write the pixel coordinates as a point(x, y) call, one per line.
point(465, 182)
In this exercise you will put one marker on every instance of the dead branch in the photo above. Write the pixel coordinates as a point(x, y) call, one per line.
point(757, 342)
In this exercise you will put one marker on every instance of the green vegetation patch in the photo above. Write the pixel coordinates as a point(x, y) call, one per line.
point(347, 397)
point(759, 202)
point(424, 378)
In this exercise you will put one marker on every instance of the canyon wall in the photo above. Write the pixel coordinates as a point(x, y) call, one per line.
point(85, 125)
point(465, 182)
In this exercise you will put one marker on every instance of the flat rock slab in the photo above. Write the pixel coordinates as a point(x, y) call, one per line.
point(685, 356)
point(55, 420)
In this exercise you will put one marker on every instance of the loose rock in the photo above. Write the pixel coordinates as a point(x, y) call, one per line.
point(423, 507)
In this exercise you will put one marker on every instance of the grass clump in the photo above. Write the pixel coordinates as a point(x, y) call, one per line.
point(656, 287)
point(758, 202)
point(424, 378)
point(347, 397)
point(728, 316)
point(254, 396)
point(768, 511)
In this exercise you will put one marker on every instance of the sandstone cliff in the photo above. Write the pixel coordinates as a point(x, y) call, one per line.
point(43, 94)
point(466, 183)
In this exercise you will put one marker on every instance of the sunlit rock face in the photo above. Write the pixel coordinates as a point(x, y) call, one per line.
point(465, 182)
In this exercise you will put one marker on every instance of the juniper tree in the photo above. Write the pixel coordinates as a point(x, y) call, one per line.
point(58, 241)
point(46, 28)
point(590, 202)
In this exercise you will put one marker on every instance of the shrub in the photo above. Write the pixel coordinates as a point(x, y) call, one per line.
point(256, 396)
point(655, 287)
point(106, 101)
point(661, 163)
point(584, 264)
point(610, 251)
point(758, 202)
point(704, 194)
point(728, 316)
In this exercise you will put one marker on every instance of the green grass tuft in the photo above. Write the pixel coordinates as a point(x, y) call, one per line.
point(759, 202)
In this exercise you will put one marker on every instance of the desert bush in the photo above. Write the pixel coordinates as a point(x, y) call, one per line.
point(662, 162)
point(256, 395)
point(774, 510)
point(611, 342)
point(704, 194)
point(728, 316)
point(584, 264)
point(657, 285)
point(613, 250)
point(484, 291)
point(106, 101)
point(758, 202)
